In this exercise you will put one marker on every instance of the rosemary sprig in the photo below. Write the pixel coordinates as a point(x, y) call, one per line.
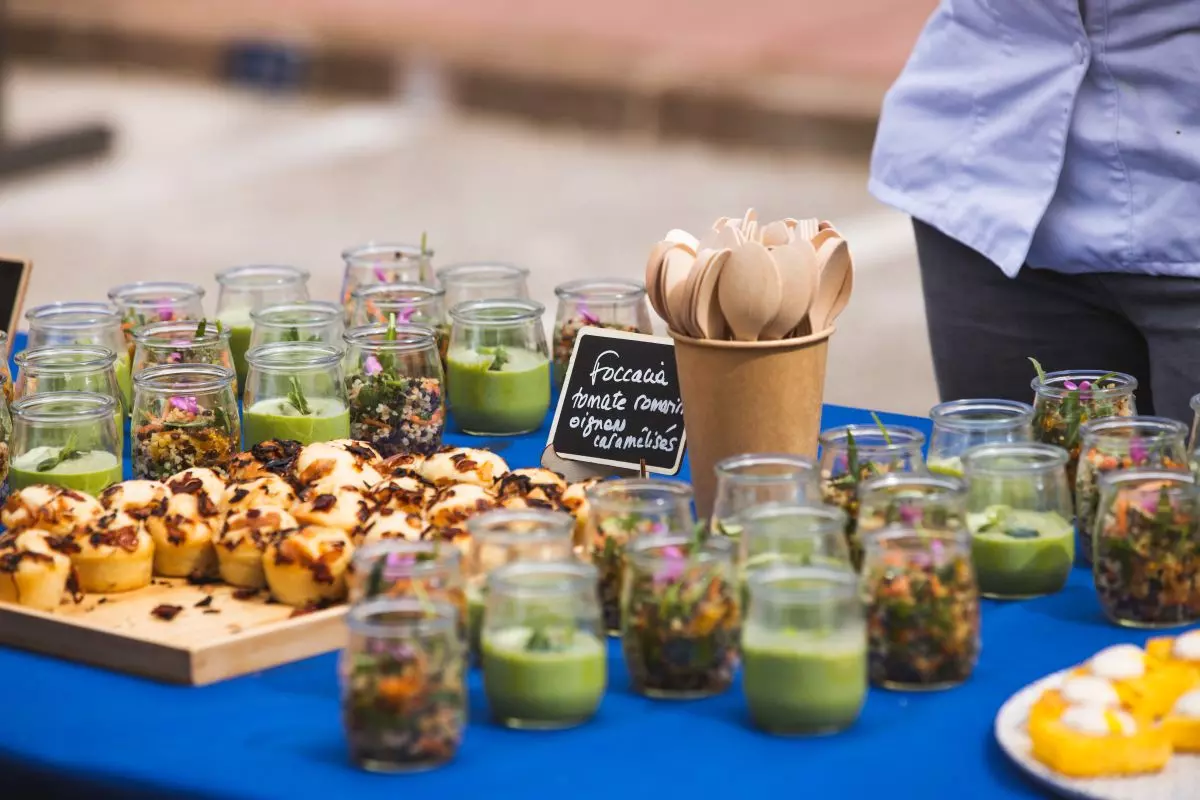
point(67, 453)
point(887, 437)
point(296, 398)
point(424, 243)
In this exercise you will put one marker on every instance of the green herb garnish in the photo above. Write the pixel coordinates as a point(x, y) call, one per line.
point(201, 327)
point(499, 358)
point(424, 242)
point(292, 334)
point(887, 437)
point(296, 399)
point(67, 453)
point(1041, 373)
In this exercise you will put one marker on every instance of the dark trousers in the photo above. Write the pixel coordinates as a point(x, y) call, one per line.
point(983, 326)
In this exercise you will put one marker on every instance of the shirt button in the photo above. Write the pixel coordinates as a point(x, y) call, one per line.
point(1080, 52)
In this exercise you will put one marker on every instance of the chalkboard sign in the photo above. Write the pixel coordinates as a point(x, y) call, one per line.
point(14, 278)
point(620, 403)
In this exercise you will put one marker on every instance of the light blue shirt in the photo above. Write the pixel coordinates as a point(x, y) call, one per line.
point(1062, 133)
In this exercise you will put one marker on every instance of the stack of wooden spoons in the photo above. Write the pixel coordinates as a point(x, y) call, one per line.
point(748, 281)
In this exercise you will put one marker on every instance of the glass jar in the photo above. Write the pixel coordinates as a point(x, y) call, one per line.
point(83, 323)
point(5, 446)
point(483, 281)
point(1064, 401)
point(377, 263)
point(411, 303)
point(1019, 516)
point(400, 568)
point(597, 303)
point(300, 321)
point(852, 454)
point(247, 289)
point(394, 384)
point(1114, 443)
point(962, 424)
point(544, 658)
point(793, 534)
point(184, 342)
point(922, 608)
point(184, 416)
point(804, 650)
point(681, 616)
point(404, 690)
point(621, 511)
point(934, 502)
point(295, 390)
point(1147, 548)
point(6, 382)
point(751, 480)
point(498, 367)
point(66, 439)
point(506, 536)
point(145, 302)
point(70, 368)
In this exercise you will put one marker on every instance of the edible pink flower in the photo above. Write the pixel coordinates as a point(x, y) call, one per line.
point(588, 317)
point(911, 515)
point(186, 403)
point(1137, 450)
point(937, 550)
point(175, 358)
point(401, 559)
point(675, 564)
point(381, 275)
point(372, 366)
point(165, 313)
point(406, 315)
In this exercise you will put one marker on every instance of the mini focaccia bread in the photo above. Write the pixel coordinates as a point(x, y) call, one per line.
point(574, 499)
point(457, 503)
point(272, 457)
point(326, 465)
point(1182, 723)
point(388, 523)
point(204, 484)
point(408, 493)
point(114, 554)
point(342, 478)
point(138, 499)
point(464, 465)
point(243, 541)
point(1088, 741)
point(266, 490)
point(184, 536)
point(32, 573)
point(402, 464)
point(1147, 687)
point(49, 508)
point(344, 509)
point(517, 501)
point(307, 566)
point(539, 484)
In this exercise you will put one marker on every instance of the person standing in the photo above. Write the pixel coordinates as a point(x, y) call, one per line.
point(1048, 152)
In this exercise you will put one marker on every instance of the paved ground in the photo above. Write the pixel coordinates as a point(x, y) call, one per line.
point(205, 178)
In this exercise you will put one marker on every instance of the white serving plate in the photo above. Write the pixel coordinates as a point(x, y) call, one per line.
point(1179, 781)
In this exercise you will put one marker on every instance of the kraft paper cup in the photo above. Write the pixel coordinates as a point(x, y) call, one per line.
point(748, 397)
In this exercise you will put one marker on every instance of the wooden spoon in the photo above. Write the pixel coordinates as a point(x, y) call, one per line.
point(654, 268)
point(707, 312)
point(799, 277)
point(823, 236)
point(776, 233)
point(690, 324)
point(677, 265)
point(676, 236)
point(750, 291)
point(834, 259)
point(844, 262)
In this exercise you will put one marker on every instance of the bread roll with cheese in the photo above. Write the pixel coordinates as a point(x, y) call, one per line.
point(272, 457)
point(184, 536)
point(243, 541)
point(265, 490)
point(464, 465)
point(204, 484)
point(114, 554)
point(324, 466)
point(402, 464)
point(344, 509)
point(139, 499)
point(408, 493)
point(307, 566)
point(537, 484)
point(574, 499)
point(32, 573)
point(49, 508)
point(389, 523)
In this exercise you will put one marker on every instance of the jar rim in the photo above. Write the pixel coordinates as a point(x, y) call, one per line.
point(355, 254)
point(942, 485)
point(147, 334)
point(98, 357)
point(544, 525)
point(320, 313)
point(951, 415)
point(639, 494)
point(1038, 457)
point(279, 356)
point(409, 337)
point(92, 314)
point(909, 437)
point(172, 378)
point(421, 293)
point(429, 617)
point(1125, 383)
point(509, 311)
point(541, 578)
point(482, 272)
point(789, 466)
point(42, 408)
point(829, 583)
point(261, 276)
point(1138, 474)
point(445, 556)
point(139, 293)
point(1155, 427)
point(601, 290)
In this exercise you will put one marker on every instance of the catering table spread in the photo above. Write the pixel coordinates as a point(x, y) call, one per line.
point(72, 730)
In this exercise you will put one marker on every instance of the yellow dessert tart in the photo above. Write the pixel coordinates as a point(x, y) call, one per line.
point(266, 490)
point(1090, 741)
point(1182, 723)
point(183, 537)
point(344, 509)
point(388, 523)
point(540, 485)
point(243, 541)
point(408, 493)
point(32, 573)
point(114, 554)
point(1183, 649)
point(139, 499)
point(307, 566)
point(1075, 690)
point(49, 508)
point(464, 465)
point(1147, 686)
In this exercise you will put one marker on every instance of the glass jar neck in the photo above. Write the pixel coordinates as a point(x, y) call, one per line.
point(193, 379)
point(306, 316)
point(384, 339)
point(293, 357)
point(261, 278)
point(401, 618)
point(66, 360)
point(64, 408)
point(981, 416)
point(182, 334)
point(382, 254)
point(497, 313)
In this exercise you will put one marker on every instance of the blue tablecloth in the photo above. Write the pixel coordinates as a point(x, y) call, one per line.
point(67, 728)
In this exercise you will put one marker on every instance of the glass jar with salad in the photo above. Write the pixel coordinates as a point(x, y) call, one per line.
point(804, 650)
point(1114, 443)
point(498, 367)
point(922, 502)
point(621, 511)
point(66, 439)
point(298, 321)
point(411, 303)
point(750, 480)
point(70, 368)
point(1065, 401)
point(508, 536)
point(853, 454)
point(1147, 548)
point(960, 425)
point(544, 656)
point(922, 608)
point(403, 679)
point(247, 289)
point(395, 388)
point(482, 281)
point(75, 323)
point(146, 302)
point(1019, 516)
point(379, 263)
point(184, 416)
point(182, 342)
point(295, 390)
point(412, 569)
point(597, 303)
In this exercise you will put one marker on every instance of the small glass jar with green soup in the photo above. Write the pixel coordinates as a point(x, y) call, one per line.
point(295, 390)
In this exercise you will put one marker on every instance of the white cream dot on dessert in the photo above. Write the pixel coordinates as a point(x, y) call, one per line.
point(1188, 705)
point(1096, 721)
point(1088, 690)
point(1187, 646)
point(1119, 662)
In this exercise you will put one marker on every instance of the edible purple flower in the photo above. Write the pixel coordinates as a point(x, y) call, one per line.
point(186, 403)
point(165, 313)
point(401, 559)
point(911, 515)
point(381, 275)
point(675, 564)
point(406, 315)
point(938, 550)
point(588, 317)
point(1138, 453)
point(175, 358)
point(372, 366)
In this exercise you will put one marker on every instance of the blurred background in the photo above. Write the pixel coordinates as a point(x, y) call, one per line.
point(171, 138)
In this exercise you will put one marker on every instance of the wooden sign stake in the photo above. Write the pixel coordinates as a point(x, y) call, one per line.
point(642, 468)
